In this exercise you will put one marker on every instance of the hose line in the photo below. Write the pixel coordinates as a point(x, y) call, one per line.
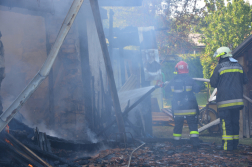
point(134, 151)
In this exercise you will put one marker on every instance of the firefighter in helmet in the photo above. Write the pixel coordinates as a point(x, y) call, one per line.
point(184, 103)
point(228, 77)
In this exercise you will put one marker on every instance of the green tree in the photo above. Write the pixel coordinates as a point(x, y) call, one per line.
point(193, 61)
point(223, 26)
point(179, 21)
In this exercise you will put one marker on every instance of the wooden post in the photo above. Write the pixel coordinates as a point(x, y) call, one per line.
point(250, 111)
point(246, 120)
point(99, 27)
point(93, 104)
point(122, 66)
point(246, 115)
point(246, 92)
point(111, 36)
point(85, 67)
point(241, 125)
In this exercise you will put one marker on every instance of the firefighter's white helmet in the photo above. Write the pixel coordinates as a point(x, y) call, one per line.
point(223, 52)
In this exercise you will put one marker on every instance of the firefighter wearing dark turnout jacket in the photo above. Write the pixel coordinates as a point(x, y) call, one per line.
point(228, 77)
point(184, 104)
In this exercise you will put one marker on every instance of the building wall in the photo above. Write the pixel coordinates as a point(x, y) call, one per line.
point(101, 95)
point(25, 44)
point(246, 119)
point(67, 82)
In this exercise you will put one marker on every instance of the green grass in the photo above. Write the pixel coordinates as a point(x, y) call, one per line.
point(202, 98)
point(167, 131)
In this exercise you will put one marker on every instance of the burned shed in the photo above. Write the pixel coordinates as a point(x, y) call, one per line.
point(59, 102)
point(76, 97)
point(243, 53)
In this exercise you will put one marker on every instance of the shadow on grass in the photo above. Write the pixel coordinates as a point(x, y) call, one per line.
point(205, 136)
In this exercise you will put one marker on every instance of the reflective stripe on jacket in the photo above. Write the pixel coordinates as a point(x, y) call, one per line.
point(228, 77)
point(185, 112)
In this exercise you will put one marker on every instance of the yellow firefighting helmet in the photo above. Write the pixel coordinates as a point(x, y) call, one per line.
point(223, 52)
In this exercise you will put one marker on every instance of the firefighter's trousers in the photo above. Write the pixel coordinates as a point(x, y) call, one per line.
point(229, 120)
point(193, 127)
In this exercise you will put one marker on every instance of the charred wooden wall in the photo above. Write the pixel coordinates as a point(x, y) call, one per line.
point(101, 98)
point(67, 82)
point(58, 102)
point(246, 113)
point(76, 94)
point(24, 43)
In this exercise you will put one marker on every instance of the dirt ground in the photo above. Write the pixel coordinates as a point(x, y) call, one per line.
point(163, 153)
point(167, 131)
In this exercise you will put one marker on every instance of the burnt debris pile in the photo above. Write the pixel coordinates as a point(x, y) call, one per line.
point(24, 146)
point(165, 154)
point(21, 146)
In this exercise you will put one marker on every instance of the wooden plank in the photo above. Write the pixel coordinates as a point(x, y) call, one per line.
point(28, 151)
point(85, 63)
point(246, 93)
point(93, 105)
point(130, 84)
point(19, 155)
point(160, 116)
point(111, 36)
point(250, 111)
point(162, 119)
point(241, 125)
point(247, 134)
point(103, 104)
point(122, 65)
point(147, 104)
point(116, 103)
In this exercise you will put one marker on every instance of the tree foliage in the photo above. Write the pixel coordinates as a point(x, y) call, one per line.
point(179, 20)
point(193, 61)
point(223, 26)
point(176, 22)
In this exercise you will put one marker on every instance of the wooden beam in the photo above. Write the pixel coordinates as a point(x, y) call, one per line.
point(111, 36)
point(28, 151)
point(116, 103)
point(122, 66)
point(241, 125)
point(85, 67)
point(19, 155)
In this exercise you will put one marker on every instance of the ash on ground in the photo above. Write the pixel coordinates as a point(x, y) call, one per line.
point(165, 154)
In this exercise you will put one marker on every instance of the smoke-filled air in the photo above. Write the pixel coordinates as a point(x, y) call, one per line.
point(125, 83)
